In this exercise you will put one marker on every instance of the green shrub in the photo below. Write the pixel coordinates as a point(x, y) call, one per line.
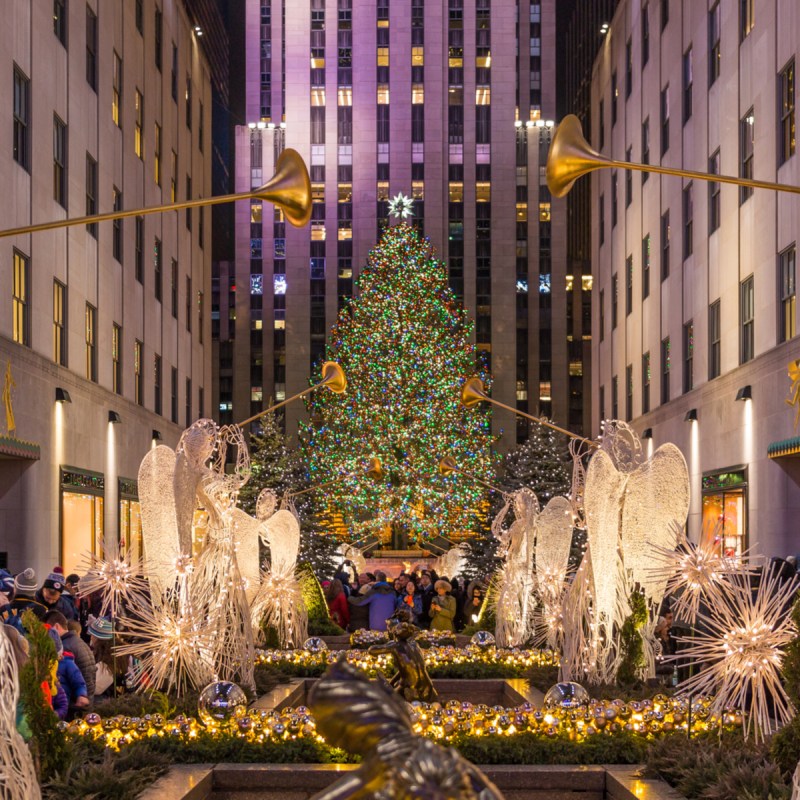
point(319, 621)
point(476, 670)
point(487, 620)
point(632, 663)
point(785, 747)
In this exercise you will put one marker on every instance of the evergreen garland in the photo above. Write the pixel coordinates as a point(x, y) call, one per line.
point(319, 620)
point(632, 664)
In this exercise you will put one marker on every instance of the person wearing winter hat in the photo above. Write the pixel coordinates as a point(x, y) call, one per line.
point(50, 595)
point(81, 652)
point(53, 690)
point(7, 583)
point(109, 666)
point(24, 599)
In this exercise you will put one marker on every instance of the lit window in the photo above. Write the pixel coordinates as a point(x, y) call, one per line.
point(522, 286)
point(383, 94)
point(280, 325)
point(483, 62)
point(522, 212)
point(586, 283)
point(278, 284)
point(544, 212)
point(318, 96)
point(570, 282)
point(346, 192)
point(255, 211)
point(345, 96)
point(345, 234)
point(545, 391)
point(317, 192)
point(483, 95)
point(317, 62)
point(318, 232)
point(383, 56)
point(383, 23)
point(256, 394)
point(138, 145)
point(256, 284)
point(544, 283)
point(383, 191)
point(456, 192)
point(417, 56)
point(417, 94)
point(483, 192)
point(418, 190)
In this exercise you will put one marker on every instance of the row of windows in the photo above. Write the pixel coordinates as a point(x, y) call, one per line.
point(21, 315)
point(787, 325)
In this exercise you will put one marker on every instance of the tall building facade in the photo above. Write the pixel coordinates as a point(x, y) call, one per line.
point(448, 102)
point(105, 338)
point(696, 281)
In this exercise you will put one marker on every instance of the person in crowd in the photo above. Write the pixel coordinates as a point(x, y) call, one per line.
point(410, 600)
point(54, 691)
point(380, 600)
point(81, 652)
point(472, 605)
point(426, 593)
point(443, 608)
point(51, 596)
point(24, 598)
point(338, 606)
point(398, 587)
point(457, 593)
point(663, 634)
point(365, 579)
point(19, 648)
point(343, 576)
point(108, 668)
point(359, 614)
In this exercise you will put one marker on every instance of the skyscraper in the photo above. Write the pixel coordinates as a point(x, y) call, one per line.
point(451, 103)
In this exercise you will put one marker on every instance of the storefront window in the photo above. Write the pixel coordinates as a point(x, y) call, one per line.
point(81, 518)
point(725, 511)
point(130, 520)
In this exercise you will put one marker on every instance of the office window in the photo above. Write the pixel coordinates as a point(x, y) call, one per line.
point(22, 106)
point(614, 207)
point(614, 93)
point(188, 102)
point(188, 197)
point(188, 400)
point(747, 137)
point(646, 378)
point(688, 356)
point(91, 342)
point(157, 271)
point(601, 124)
point(602, 405)
point(60, 20)
point(714, 340)
point(746, 319)
point(688, 80)
point(157, 154)
point(628, 68)
point(629, 392)
point(628, 178)
point(157, 37)
point(138, 377)
point(138, 124)
point(59, 323)
point(91, 48)
point(174, 74)
point(645, 35)
point(713, 44)
point(116, 225)
point(787, 322)
point(91, 193)
point(602, 220)
point(139, 249)
point(664, 120)
point(602, 314)
point(646, 266)
point(645, 147)
point(688, 220)
point(665, 237)
point(714, 207)
point(116, 89)
point(157, 383)
point(59, 162)
point(173, 287)
point(173, 404)
point(787, 140)
point(747, 17)
point(139, 5)
point(21, 299)
point(614, 294)
point(116, 358)
point(201, 402)
point(188, 303)
point(173, 179)
point(614, 397)
point(628, 285)
point(201, 128)
point(200, 316)
point(665, 370)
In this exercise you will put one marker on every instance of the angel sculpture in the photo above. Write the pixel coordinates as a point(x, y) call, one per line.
point(632, 506)
point(278, 604)
point(367, 718)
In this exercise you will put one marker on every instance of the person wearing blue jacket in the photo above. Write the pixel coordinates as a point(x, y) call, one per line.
point(381, 602)
point(70, 680)
point(411, 601)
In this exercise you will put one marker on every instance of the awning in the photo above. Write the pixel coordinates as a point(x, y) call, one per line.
point(12, 448)
point(785, 448)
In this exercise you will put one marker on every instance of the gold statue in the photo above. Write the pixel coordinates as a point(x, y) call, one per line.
point(794, 375)
point(366, 717)
point(8, 385)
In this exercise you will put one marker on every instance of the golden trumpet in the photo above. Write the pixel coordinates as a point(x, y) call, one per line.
point(571, 156)
point(447, 466)
point(289, 188)
point(375, 470)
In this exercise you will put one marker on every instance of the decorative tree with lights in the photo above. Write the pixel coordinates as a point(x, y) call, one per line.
point(404, 344)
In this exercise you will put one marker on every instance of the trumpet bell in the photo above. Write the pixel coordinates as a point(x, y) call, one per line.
point(473, 392)
point(570, 157)
point(447, 466)
point(333, 377)
point(375, 470)
point(289, 188)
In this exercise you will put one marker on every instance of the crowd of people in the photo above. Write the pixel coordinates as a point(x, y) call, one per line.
point(83, 640)
point(367, 600)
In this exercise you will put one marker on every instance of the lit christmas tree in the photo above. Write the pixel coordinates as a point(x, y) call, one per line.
point(404, 344)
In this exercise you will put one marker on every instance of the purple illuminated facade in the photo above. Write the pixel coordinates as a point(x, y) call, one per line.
point(450, 103)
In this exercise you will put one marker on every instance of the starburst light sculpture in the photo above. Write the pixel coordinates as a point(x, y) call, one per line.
point(118, 581)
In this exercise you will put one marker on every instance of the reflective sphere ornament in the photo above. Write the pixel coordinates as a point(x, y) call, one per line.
point(483, 640)
point(314, 644)
point(566, 695)
point(221, 702)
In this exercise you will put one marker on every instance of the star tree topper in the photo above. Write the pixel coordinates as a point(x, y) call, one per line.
point(401, 206)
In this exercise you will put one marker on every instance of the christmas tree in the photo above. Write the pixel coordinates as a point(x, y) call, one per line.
point(404, 343)
point(278, 465)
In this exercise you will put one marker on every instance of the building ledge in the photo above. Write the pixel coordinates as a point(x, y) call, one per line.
point(12, 448)
point(785, 448)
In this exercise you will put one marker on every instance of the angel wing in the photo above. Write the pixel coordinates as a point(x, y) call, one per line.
point(246, 534)
point(553, 537)
point(159, 524)
point(282, 532)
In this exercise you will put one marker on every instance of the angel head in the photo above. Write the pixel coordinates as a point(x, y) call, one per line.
point(198, 443)
point(526, 504)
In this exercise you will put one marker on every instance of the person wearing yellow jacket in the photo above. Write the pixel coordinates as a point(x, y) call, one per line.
point(443, 608)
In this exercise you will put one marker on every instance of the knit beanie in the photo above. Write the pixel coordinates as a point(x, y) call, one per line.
point(54, 581)
point(26, 581)
point(6, 582)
